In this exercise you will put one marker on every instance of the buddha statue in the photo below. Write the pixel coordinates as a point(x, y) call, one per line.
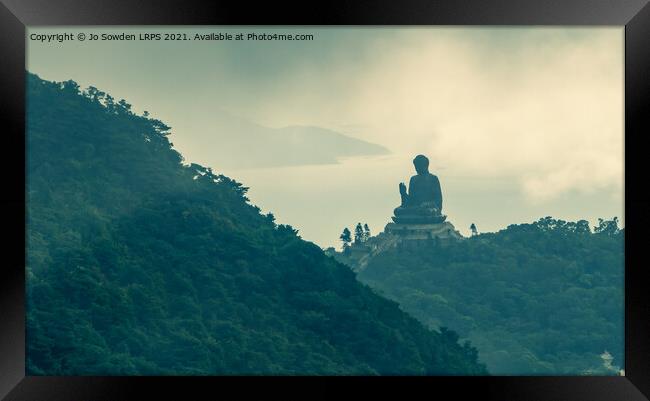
point(422, 204)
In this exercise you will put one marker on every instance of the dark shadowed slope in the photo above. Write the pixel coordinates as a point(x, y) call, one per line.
point(138, 264)
point(542, 298)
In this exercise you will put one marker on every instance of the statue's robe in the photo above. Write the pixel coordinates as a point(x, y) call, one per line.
point(424, 189)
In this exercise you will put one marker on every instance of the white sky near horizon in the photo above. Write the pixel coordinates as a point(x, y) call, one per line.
point(519, 123)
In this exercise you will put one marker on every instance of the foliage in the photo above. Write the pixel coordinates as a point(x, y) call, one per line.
point(540, 298)
point(140, 264)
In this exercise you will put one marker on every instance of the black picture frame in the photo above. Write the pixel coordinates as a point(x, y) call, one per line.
point(15, 15)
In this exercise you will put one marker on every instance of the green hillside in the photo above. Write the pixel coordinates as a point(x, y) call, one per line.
point(542, 298)
point(140, 264)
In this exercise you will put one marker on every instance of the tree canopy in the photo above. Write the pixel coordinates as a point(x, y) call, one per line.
point(540, 298)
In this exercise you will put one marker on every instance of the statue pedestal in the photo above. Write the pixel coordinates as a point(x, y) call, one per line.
point(442, 231)
point(419, 219)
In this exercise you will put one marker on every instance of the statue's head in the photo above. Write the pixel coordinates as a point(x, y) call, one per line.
point(421, 164)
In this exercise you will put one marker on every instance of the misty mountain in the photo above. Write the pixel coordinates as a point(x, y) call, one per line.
point(233, 142)
point(138, 264)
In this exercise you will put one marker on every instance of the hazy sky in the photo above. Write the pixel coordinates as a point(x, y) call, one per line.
point(519, 123)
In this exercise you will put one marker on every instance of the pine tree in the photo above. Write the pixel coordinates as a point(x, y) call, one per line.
point(346, 237)
point(366, 232)
point(358, 234)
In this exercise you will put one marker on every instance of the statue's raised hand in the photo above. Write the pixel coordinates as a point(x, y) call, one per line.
point(402, 189)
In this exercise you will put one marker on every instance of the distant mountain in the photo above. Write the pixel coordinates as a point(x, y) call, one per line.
point(140, 265)
point(233, 142)
point(536, 299)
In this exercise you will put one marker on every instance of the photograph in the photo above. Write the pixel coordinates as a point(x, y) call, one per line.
point(269, 201)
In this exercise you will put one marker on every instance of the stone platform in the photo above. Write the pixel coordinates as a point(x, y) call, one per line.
point(443, 231)
point(419, 219)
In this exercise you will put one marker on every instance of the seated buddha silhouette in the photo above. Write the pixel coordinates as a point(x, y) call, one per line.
point(422, 204)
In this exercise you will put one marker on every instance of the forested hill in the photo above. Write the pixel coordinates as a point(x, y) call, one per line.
point(139, 264)
point(541, 298)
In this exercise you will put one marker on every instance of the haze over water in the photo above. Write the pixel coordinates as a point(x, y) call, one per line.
point(320, 200)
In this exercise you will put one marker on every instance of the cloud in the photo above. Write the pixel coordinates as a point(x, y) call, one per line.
point(541, 106)
point(585, 173)
point(549, 114)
